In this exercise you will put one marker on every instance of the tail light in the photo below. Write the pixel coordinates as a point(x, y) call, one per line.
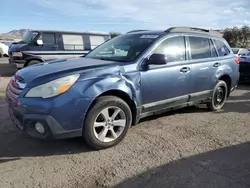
point(237, 60)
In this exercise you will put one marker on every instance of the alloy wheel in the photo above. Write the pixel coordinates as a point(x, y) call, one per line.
point(109, 124)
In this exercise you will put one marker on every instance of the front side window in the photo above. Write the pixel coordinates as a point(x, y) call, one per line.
point(221, 48)
point(73, 42)
point(123, 48)
point(199, 48)
point(47, 38)
point(173, 48)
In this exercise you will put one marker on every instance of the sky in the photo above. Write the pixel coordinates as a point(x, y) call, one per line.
point(122, 15)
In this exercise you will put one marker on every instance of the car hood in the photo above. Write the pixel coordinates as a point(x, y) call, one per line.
point(53, 69)
point(16, 47)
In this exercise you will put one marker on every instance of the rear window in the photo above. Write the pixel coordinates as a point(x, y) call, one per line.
point(221, 48)
point(200, 48)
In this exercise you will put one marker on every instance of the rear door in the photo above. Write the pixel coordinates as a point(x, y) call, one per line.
point(204, 59)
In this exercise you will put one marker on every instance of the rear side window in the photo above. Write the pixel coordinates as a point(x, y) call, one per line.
point(73, 42)
point(174, 48)
point(47, 38)
point(221, 48)
point(96, 41)
point(200, 48)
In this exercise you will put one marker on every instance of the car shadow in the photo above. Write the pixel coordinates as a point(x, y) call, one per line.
point(15, 144)
point(235, 103)
point(186, 110)
point(7, 70)
point(227, 167)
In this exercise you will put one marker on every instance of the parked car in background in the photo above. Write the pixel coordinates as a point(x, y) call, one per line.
point(3, 49)
point(8, 43)
point(240, 51)
point(245, 67)
point(42, 45)
point(127, 78)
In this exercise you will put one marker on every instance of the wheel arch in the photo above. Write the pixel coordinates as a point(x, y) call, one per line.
point(122, 95)
point(226, 78)
point(33, 59)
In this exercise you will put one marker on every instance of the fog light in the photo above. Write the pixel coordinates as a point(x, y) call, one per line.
point(39, 128)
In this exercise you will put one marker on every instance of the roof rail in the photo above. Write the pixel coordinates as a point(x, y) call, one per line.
point(174, 29)
point(193, 29)
point(133, 31)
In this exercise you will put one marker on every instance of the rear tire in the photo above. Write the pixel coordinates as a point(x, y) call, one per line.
point(107, 122)
point(219, 96)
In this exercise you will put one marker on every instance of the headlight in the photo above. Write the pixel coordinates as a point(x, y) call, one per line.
point(53, 88)
point(17, 54)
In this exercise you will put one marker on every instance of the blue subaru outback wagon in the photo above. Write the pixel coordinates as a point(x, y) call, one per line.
point(141, 73)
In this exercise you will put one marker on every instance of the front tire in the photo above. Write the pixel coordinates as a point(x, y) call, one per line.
point(107, 122)
point(219, 96)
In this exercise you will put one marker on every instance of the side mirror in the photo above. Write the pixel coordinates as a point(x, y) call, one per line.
point(39, 42)
point(157, 59)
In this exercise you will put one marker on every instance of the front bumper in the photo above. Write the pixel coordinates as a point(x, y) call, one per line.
point(17, 60)
point(53, 130)
point(61, 117)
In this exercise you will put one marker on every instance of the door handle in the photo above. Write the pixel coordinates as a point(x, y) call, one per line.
point(217, 64)
point(185, 69)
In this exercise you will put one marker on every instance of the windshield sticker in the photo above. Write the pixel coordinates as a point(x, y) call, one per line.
point(149, 36)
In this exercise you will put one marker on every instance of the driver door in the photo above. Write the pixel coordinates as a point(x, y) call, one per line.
point(167, 85)
point(49, 47)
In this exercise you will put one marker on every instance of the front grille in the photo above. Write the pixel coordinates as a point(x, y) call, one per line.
point(14, 88)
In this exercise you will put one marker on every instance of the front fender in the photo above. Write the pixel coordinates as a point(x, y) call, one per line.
point(92, 88)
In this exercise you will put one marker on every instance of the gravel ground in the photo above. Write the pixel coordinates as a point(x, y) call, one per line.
point(187, 148)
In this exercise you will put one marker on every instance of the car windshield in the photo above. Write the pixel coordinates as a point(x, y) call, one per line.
point(30, 36)
point(123, 48)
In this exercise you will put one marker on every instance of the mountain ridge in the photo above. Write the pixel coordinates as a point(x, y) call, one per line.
point(14, 34)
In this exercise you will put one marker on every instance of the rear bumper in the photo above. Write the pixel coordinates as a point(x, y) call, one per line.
point(244, 71)
point(245, 77)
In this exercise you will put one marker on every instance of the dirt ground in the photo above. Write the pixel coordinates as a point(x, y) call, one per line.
point(187, 148)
